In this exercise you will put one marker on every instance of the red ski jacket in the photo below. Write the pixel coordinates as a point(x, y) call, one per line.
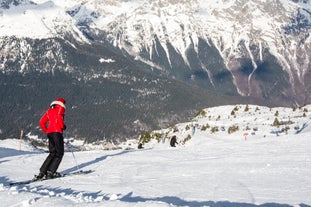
point(53, 119)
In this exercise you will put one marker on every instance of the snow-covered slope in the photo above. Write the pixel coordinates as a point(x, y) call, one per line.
point(236, 122)
point(211, 169)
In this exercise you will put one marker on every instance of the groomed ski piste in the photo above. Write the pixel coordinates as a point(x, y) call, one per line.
point(256, 164)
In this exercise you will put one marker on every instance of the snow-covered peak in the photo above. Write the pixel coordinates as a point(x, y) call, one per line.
point(180, 22)
point(36, 19)
point(183, 23)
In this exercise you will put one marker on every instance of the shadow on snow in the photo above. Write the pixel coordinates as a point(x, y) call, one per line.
point(172, 200)
point(96, 160)
point(6, 152)
point(129, 198)
point(6, 181)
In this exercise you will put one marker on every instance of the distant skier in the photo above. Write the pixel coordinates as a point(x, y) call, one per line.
point(173, 141)
point(140, 146)
point(52, 123)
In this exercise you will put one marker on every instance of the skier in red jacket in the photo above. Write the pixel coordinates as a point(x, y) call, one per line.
point(52, 124)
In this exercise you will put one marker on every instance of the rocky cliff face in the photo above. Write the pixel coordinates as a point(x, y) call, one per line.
point(253, 48)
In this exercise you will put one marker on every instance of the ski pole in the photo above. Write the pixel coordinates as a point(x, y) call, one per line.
point(70, 148)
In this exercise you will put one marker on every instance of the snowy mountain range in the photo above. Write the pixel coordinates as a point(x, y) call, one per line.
point(252, 48)
point(243, 49)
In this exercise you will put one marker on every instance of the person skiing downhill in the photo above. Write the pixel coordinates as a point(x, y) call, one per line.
point(52, 123)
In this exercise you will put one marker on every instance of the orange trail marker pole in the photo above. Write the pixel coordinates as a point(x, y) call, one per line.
point(245, 136)
point(20, 140)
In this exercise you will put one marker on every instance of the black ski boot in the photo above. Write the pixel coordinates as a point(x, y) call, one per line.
point(57, 175)
point(41, 176)
point(51, 175)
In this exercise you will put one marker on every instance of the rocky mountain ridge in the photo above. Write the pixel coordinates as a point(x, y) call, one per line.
point(260, 48)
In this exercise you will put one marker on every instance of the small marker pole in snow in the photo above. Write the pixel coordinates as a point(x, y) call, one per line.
point(245, 135)
point(21, 139)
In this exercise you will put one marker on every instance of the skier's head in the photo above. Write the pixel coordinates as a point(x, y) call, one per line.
point(59, 101)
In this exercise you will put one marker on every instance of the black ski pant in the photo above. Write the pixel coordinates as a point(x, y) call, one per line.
point(56, 153)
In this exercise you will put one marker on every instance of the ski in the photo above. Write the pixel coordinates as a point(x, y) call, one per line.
point(25, 182)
